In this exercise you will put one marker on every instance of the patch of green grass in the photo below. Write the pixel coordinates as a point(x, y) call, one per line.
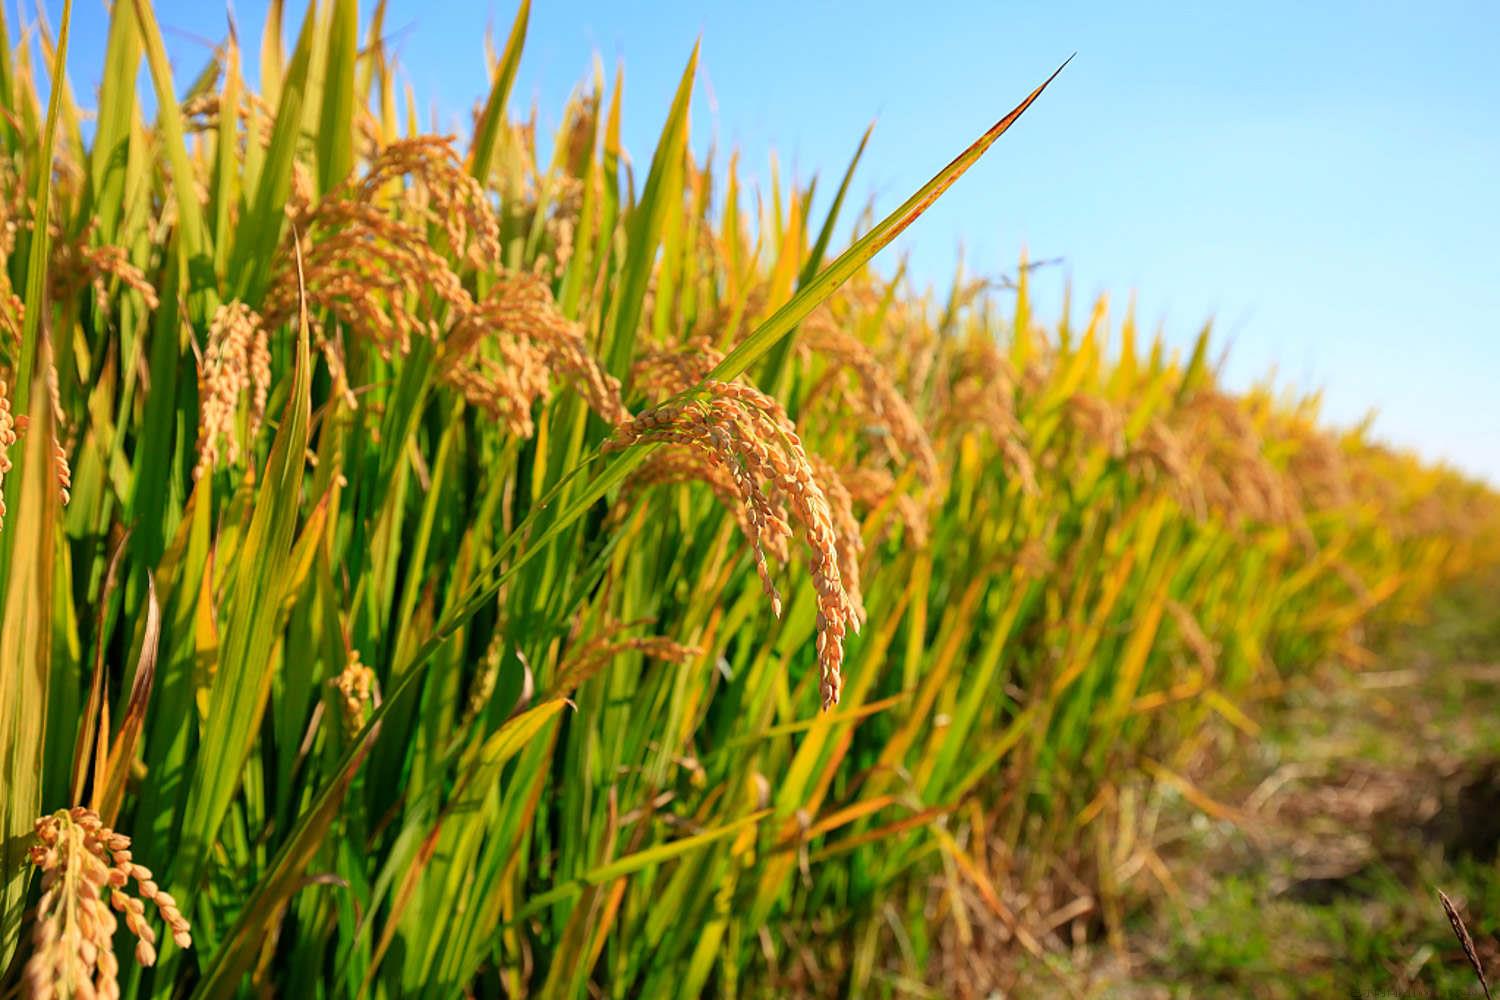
point(1387, 936)
point(1250, 929)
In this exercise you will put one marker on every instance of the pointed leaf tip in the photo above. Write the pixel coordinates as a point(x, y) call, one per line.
point(966, 159)
point(827, 280)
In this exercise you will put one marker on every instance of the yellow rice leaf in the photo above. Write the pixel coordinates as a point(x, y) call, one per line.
point(25, 657)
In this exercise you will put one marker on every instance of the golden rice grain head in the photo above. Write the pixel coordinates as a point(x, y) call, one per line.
point(441, 190)
point(236, 367)
point(977, 387)
point(12, 316)
point(64, 472)
point(202, 113)
point(664, 372)
point(85, 871)
point(1162, 450)
point(849, 540)
point(978, 393)
point(691, 426)
point(368, 254)
point(1021, 464)
point(483, 684)
point(15, 210)
point(559, 226)
point(375, 273)
point(879, 404)
point(355, 685)
point(77, 263)
point(681, 464)
point(504, 352)
point(7, 439)
point(1099, 421)
point(875, 491)
point(585, 660)
point(746, 430)
point(338, 373)
point(60, 464)
point(1318, 468)
point(1228, 454)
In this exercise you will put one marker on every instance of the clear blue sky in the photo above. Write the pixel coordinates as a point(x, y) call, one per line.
point(1322, 180)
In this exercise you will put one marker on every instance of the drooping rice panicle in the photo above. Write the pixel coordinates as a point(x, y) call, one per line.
point(746, 431)
point(86, 869)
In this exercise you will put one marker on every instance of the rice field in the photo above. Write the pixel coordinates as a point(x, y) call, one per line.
point(430, 570)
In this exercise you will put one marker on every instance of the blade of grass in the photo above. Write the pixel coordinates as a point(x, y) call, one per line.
point(121, 758)
point(25, 664)
point(36, 263)
point(830, 278)
point(492, 119)
point(663, 186)
point(336, 128)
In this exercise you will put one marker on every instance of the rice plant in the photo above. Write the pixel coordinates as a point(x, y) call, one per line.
point(426, 570)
